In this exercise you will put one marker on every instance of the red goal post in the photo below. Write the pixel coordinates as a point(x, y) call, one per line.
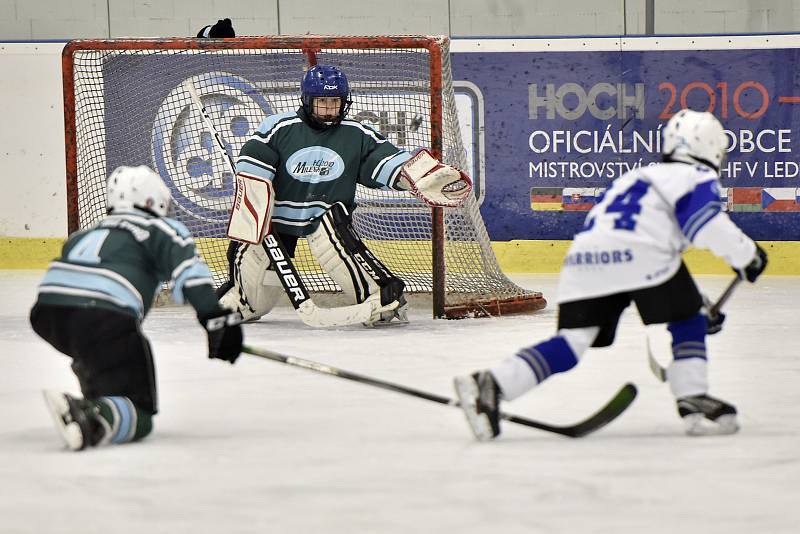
point(123, 104)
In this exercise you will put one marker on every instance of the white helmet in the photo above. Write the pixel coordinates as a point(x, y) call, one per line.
point(695, 137)
point(137, 187)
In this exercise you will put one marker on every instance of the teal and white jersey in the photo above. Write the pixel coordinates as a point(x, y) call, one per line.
point(312, 169)
point(121, 262)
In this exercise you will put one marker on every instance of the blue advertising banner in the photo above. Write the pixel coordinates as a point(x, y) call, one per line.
point(560, 125)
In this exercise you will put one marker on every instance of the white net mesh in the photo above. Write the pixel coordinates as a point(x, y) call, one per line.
point(130, 108)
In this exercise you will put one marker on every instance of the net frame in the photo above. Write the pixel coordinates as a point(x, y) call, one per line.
point(450, 301)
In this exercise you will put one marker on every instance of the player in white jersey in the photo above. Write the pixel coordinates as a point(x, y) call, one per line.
point(629, 249)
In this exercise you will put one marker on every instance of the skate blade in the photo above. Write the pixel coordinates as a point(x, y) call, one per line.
point(68, 429)
point(387, 324)
point(698, 425)
point(467, 392)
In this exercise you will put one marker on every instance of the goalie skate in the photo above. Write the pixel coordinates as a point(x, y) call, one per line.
point(479, 398)
point(387, 318)
point(71, 420)
point(706, 416)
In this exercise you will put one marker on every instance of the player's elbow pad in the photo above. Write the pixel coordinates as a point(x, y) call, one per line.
point(725, 240)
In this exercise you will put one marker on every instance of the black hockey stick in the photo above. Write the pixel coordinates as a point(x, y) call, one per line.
point(713, 312)
point(605, 415)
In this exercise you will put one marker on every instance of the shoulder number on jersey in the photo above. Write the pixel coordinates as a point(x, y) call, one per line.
point(87, 249)
point(627, 205)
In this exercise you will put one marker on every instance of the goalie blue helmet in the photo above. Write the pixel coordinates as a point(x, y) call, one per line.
point(325, 81)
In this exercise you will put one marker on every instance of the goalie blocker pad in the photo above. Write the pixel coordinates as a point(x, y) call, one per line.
point(252, 209)
point(434, 182)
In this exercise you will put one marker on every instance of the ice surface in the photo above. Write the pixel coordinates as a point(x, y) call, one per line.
point(264, 447)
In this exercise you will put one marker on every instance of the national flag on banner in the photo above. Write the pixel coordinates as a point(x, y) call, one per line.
point(580, 198)
point(779, 199)
point(546, 199)
point(723, 197)
point(744, 199)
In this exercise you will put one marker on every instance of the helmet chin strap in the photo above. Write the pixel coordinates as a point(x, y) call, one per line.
point(686, 158)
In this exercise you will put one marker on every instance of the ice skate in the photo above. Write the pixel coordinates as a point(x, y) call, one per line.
point(387, 318)
point(479, 398)
point(74, 421)
point(704, 415)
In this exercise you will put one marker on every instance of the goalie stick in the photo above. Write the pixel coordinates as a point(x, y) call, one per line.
point(292, 284)
point(661, 372)
point(613, 408)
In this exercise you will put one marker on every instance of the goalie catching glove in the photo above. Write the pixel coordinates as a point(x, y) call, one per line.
point(224, 334)
point(434, 182)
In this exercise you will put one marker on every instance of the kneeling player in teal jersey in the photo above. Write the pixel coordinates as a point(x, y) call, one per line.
point(311, 160)
point(93, 299)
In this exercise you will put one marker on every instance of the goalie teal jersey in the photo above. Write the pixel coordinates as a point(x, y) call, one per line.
point(121, 262)
point(312, 169)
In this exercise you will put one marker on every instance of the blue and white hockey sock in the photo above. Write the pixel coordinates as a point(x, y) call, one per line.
point(532, 365)
point(688, 372)
point(122, 420)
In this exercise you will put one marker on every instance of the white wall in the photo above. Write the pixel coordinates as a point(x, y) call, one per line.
point(32, 168)
point(70, 19)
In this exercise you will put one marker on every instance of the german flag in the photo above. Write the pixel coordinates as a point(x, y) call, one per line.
point(546, 199)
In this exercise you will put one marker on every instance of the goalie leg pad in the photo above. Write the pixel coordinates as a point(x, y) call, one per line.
point(256, 288)
point(341, 253)
point(338, 224)
point(333, 257)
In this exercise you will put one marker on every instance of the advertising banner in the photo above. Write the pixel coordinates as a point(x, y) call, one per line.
point(563, 118)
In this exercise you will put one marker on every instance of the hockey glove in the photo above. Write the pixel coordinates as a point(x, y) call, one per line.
point(434, 182)
point(754, 269)
point(224, 334)
point(714, 320)
point(714, 323)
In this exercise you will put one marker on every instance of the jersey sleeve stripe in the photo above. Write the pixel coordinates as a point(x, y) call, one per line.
point(190, 269)
point(388, 165)
point(261, 172)
point(254, 162)
point(700, 218)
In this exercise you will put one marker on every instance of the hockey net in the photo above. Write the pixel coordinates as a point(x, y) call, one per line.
point(125, 105)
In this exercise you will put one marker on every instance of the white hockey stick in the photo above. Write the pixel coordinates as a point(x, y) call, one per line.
point(293, 285)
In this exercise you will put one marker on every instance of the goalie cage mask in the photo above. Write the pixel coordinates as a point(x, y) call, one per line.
point(325, 81)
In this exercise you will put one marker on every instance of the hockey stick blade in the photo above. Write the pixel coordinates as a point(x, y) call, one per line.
point(623, 398)
point(658, 371)
point(661, 372)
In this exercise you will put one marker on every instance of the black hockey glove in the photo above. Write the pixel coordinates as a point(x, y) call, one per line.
point(224, 334)
point(754, 269)
point(714, 323)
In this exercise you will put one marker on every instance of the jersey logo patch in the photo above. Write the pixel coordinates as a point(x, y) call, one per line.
point(315, 164)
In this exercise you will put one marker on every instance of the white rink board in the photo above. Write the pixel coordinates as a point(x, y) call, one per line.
point(263, 447)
